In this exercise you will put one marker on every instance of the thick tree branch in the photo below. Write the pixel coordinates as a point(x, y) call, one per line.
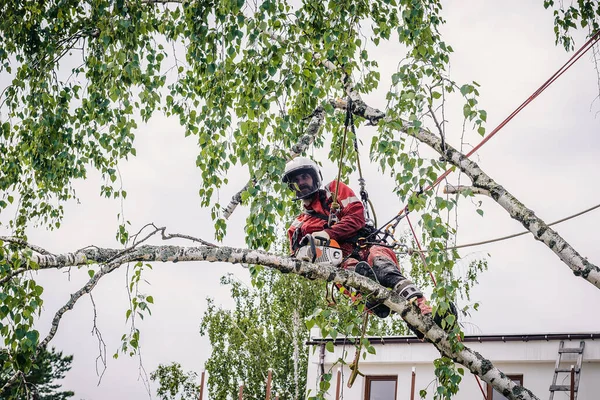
point(147, 253)
point(517, 210)
point(541, 231)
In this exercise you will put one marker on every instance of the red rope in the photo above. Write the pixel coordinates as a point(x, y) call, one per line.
point(481, 388)
point(576, 56)
point(435, 284)
point(421, 251)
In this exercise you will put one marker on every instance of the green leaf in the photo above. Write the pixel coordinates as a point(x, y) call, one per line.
point(33, 336)
point(466, 89)
point(483, 115)
point(330, 347)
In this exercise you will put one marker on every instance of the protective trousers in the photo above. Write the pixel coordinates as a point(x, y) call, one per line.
point(381, 266)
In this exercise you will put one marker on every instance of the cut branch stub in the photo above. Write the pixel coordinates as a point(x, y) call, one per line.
point(451, 189)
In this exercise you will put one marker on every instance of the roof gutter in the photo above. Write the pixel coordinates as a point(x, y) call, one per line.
point(469, 338)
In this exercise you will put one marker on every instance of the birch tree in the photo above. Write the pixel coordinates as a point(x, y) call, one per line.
point(257, 83)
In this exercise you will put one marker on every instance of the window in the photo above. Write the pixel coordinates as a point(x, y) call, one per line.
point(381, 387)
point(492, 394)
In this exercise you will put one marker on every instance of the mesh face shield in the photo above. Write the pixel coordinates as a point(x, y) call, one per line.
point(294, 187)
point(302, 165)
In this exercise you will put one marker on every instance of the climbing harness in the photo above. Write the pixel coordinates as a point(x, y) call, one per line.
point(369, 235)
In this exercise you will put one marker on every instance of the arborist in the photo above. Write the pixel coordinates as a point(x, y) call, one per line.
point(376, 262)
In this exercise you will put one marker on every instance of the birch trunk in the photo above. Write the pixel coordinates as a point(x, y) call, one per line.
point(472, 360)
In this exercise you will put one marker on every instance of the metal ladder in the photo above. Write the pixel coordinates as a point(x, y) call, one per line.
point(562, 370)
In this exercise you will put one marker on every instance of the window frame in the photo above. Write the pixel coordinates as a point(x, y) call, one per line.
point(512, 377)
point(372, 378)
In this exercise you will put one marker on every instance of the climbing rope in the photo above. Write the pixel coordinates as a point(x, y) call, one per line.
point(364, 195)
point(391, 225)
point(335, 207)
point(576, 56)
point(435, 284)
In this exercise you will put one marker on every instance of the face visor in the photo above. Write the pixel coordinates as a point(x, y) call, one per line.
point(301, 186)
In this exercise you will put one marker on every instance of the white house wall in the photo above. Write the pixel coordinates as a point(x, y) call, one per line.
point(535, 360)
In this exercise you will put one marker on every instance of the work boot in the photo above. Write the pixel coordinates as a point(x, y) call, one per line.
point(378, 308)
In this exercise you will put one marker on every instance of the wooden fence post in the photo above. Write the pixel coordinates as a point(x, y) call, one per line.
point(269, 377)
point(201, 385)
point(241, 391)
point(412, 384)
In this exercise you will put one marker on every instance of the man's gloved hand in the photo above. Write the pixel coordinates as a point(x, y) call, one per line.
point(321, 235)
point(423, 306)
point(437, 318)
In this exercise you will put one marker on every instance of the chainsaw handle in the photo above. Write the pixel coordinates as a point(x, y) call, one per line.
point(313, 248)
point(325, 241)
point(310, 240)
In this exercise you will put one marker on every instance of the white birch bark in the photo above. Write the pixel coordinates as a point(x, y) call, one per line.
point(112, 259)
point(580, 266)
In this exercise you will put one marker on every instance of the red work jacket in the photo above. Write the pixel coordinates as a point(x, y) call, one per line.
point(351, 217)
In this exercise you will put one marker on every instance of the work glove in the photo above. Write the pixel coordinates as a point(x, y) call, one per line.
point(322, 236)
point(423, 306)
point(422, 303)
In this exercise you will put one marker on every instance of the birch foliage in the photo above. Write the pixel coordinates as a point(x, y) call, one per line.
point(244, 79)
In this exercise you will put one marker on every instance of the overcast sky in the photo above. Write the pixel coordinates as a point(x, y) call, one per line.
point(548, 157)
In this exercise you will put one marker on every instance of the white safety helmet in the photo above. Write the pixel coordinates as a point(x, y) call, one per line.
point(303, 165)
